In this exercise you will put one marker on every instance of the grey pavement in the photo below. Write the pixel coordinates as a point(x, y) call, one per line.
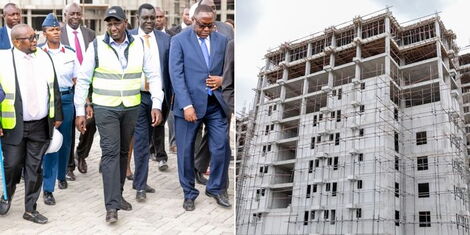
point(80, 208)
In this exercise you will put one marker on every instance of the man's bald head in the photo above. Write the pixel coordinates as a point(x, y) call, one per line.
point(11, 14)
point(24, 38)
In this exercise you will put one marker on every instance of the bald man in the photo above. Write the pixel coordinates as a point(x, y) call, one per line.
point(29, 113)
point(11, 17)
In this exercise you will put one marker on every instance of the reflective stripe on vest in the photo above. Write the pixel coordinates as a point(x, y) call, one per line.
point(111, 84)
point(7, 81)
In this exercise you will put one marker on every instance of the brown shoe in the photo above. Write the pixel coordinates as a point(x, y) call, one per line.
point(70, 175)
point(173, 149)
point(82, 166)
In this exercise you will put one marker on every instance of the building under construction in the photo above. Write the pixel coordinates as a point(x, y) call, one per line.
point(359, 129)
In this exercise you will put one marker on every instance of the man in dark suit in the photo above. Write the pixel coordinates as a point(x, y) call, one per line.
point(11, 17)
point(78, 37)
point(196, 59)
point(158, 42)
point(29, 114)
point(228, 77)
point(202, 154)
point(186, 22)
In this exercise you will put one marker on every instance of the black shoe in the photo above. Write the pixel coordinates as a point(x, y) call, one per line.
point(125, 205)
point(62, 184)
point(140, 196)
point(4, 206)
point(70, 175)
point(220, 199)
point(35, 217)
point(111, 216)
point(48, 198)
point(188, 205)
point(130, 177)
point(162, 165)
point(200, 179)
point(148, 189)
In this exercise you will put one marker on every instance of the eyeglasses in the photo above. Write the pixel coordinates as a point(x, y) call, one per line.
point(203, 26)
point(32, 38)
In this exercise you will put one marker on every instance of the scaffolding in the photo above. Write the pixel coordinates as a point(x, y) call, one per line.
point(364, 132)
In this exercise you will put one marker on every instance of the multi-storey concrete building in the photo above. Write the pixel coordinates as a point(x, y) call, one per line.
point(359, 130)
point(34, 12)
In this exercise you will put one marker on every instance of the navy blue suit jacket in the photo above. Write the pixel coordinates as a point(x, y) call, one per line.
point(4, 40)
point(163, 41)
point(188, 71)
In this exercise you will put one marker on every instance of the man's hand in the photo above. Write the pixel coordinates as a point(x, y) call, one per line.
point(190, 114)
point(57, 123)
point(80, 124)
point(89, 111)
point(214, 82)
point(156, 117)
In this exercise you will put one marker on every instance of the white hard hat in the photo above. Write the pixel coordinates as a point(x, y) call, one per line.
point(56, 142)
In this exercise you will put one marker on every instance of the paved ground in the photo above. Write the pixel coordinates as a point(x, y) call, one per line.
point(80, 208)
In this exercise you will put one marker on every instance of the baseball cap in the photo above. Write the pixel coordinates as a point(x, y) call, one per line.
point(116, 12)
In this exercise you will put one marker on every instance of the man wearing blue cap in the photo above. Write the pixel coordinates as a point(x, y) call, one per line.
point(66, 65)
point(114, 68)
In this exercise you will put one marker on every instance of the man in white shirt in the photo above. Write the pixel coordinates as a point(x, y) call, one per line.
point(29, 113)
point(11, 17)
point(159, 45)
point(160, 20)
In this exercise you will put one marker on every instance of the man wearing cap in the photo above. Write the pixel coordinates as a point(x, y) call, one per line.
point(11, 17)
point(78, 38)
point(114, 65)
point(159, 43)
point(196, 60)
point(66, 65)
point(30, 111)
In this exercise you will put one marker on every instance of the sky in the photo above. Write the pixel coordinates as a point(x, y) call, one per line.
point(265, 24)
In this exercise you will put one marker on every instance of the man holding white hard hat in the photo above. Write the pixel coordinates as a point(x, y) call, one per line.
point(30, 111)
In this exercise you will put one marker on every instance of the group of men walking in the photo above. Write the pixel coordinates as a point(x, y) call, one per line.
point(126, 84)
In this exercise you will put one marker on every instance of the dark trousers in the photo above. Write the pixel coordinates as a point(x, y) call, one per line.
point(142, 136)
point(216, 123)
point(116, 127)
point(27, 157)
point(85, 141)
point(157, 141)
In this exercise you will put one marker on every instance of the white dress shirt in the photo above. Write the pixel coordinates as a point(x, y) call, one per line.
point(30, 62)
point(71, 37)
point(153, 49)
point(183, 25)
point(66, 65)
point(151, 69)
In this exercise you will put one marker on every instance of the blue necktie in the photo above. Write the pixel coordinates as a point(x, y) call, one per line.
point(207, 58)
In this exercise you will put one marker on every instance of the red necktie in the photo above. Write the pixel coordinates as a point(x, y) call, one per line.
point(78, 49)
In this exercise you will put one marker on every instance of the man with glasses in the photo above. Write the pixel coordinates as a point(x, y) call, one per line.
point(77, 37)
point(29, 113)
point(196, 58)
point(159, 43)
point(11, 17)
point(114, 66)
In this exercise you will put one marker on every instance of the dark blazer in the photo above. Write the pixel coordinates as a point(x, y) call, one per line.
point(188, 71)
point(228, 82)
point(88, 36)
point(4, 40)
point(224, 29)
point(163, 41)
point(15, 135)
point(174, 30)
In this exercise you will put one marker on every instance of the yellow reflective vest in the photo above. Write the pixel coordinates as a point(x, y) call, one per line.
point(111, 84)
point(8, 83)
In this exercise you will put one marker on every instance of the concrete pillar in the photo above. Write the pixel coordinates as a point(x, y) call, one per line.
point(307, 63)
point(387, 46)
point(223, 10)
point(29, 17)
